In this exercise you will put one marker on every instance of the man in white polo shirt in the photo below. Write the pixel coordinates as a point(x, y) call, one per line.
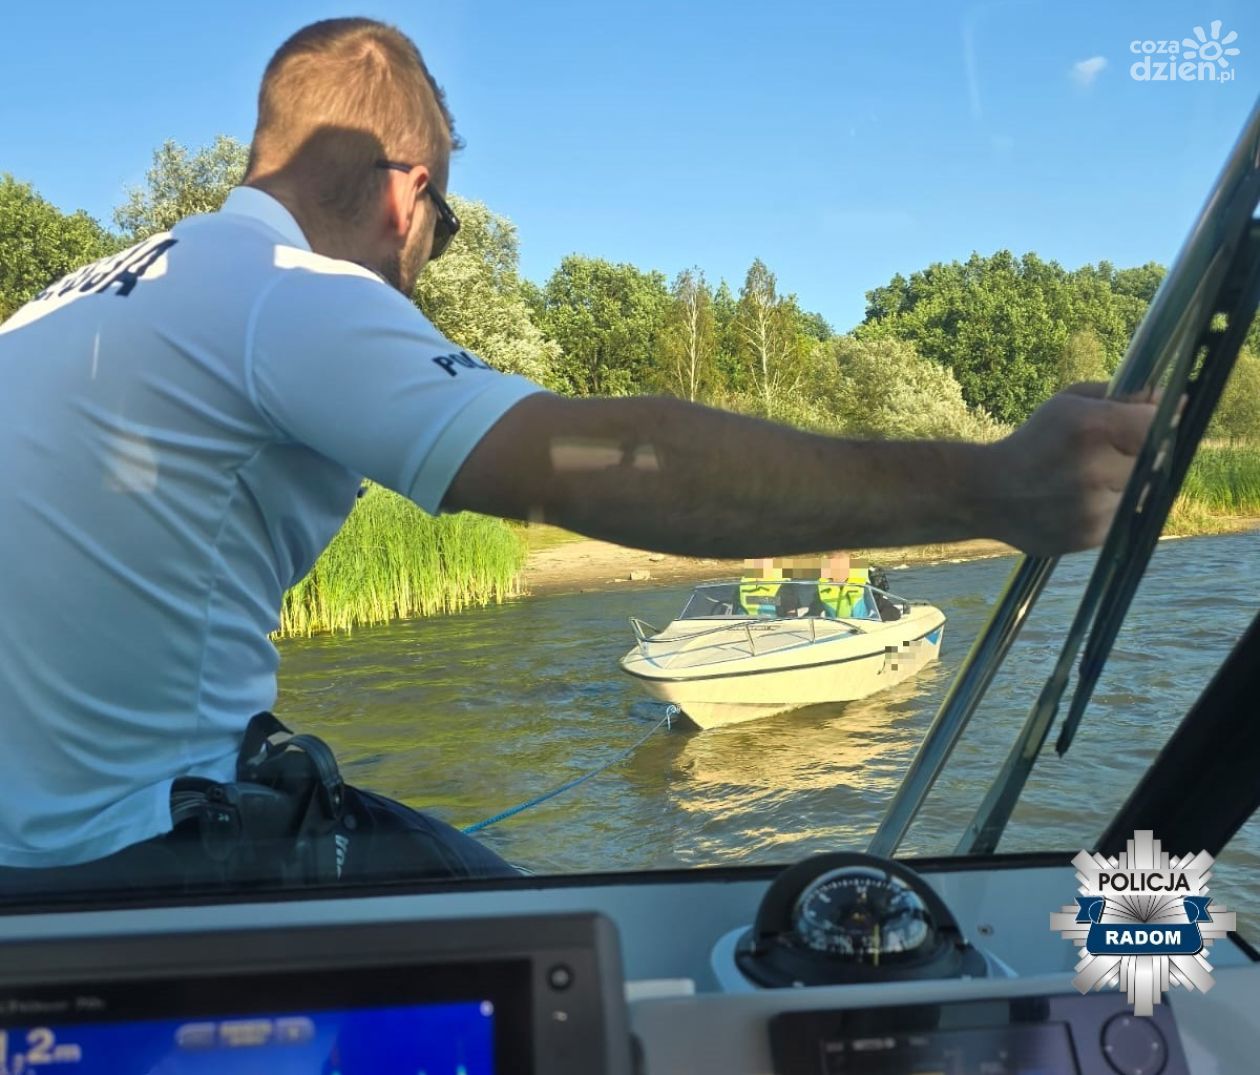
point(184, 427)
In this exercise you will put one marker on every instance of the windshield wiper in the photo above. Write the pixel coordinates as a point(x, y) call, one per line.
point(984, 659)
point(1158, 476)
point(1202, 393)
point(1215, 272)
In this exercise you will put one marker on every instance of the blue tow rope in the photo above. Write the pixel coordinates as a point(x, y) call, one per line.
point(667, 719)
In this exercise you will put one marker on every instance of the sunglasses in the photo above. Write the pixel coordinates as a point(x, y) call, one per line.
point(447, 225)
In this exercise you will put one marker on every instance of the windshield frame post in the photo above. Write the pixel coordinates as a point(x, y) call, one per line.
point(965, 694)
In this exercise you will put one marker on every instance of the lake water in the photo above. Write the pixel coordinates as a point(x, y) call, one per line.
point(468, 715)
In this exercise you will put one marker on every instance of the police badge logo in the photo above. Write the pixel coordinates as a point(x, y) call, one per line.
point(1144, 921)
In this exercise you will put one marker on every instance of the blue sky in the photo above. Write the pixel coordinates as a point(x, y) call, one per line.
point(839, 142)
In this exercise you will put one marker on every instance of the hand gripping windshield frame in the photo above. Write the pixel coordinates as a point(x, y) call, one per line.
point(1181, 346)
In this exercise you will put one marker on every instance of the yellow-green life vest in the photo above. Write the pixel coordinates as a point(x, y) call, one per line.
point(829, 594)
point(759, 596)
point(841, 598)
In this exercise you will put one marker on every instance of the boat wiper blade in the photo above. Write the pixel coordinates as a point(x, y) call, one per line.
point(985, 829)
point(1158, 475)
point(1125, 535)
point(1212, 274)
point(1202, 393)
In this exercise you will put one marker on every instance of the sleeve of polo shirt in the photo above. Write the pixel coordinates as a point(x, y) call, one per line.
point(347, 366)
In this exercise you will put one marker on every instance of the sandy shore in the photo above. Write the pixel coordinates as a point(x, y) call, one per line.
point(585, 566)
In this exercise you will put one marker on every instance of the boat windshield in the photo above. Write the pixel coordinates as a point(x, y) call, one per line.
point(914, 235)
point(793, 598)
point(713, 599)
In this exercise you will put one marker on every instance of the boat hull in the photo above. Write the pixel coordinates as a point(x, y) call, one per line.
point(836, 669)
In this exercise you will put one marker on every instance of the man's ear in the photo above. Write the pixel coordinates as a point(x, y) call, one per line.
point(401, 199)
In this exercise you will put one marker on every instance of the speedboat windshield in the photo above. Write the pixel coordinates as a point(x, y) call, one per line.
point(792, 598)
point(552, 703)
point(713, 599)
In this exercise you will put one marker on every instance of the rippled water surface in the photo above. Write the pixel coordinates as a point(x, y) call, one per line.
point(467, 715)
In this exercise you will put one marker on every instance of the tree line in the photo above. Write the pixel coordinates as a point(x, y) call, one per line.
point(958, 349)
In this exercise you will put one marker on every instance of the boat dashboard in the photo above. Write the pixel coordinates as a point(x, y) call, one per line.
point(644, 974)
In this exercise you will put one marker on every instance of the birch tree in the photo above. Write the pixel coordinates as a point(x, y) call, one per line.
point(690, 342)
point(769, 338)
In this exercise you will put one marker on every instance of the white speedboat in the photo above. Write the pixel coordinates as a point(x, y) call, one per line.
point(726, 659)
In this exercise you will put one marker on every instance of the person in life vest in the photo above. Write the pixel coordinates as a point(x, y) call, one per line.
point(760, 587)
point(785, 586)
point(842, 588)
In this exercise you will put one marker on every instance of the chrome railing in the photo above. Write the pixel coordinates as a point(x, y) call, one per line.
point(751, 636)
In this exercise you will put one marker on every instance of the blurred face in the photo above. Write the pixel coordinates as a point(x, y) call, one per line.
point(801, 567)
point(836, 567)
point(784, 567)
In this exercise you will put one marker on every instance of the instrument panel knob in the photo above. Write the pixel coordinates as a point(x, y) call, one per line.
point(1134, 1045)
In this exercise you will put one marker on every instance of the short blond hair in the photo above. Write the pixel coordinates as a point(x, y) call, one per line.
point(339, 95)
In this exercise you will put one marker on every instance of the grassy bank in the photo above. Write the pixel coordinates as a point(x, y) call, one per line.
point(1221, 488)
point(1226, 480)
point(392, 561)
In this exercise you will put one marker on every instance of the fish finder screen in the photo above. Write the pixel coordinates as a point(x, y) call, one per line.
point(421, 1039)
point(447, 1019)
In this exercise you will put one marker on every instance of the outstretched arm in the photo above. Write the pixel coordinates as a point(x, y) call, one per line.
point(663, 474)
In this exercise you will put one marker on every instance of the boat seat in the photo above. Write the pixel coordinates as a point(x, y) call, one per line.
point(797, 599)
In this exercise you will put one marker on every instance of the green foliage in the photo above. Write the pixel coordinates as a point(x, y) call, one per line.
point(816, 327)
point(40, 244)
point(608, 321)
point(726, 338)
point(1225, 481)
point(884, 388)
point(474, 295)
point(181, 184)
point(772, 344)
point(689, 341)
point(1082, 359)
point(1002, 324)
point(392, 561)
point(1238, 413)
point(533, 297)
point(812, 407)
point(1139, 283)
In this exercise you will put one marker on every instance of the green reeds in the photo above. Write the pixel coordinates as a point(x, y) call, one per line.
point(1225, 480)
point(1221, 492)
point(392, 561)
